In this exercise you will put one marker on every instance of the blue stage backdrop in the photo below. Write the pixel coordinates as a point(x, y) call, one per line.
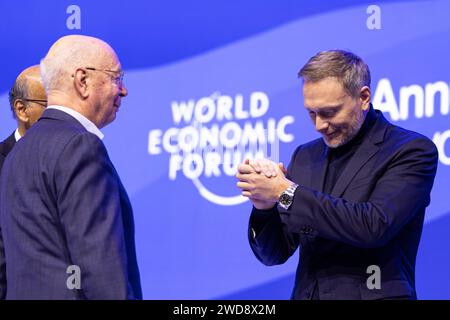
point(223, 73)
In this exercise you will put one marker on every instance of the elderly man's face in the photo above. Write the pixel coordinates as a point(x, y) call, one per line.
point(35, 109)
point(29, 108)
point(337, 116)
point(109, 92)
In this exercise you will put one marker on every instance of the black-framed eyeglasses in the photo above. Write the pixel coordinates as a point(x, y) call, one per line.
point(119, 79)
point(41, 102)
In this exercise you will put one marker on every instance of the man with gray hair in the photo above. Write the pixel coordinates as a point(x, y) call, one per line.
point(66, 219)
point(353, 201)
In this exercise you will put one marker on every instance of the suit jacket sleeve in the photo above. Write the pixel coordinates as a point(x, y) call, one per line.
point(2, 252)
point(399, 194)
point(2, 159)
point(268, 234)
point(90, 213)
point(2, 269)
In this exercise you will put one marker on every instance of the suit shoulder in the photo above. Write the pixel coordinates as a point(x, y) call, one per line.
point(83, 148)
point(65, 129)
point(49, 139)
point(309, 151)
point(405, 138)
point(312, 147)
point(60, 132)
point(80, 140)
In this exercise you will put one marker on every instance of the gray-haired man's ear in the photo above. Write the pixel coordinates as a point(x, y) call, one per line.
point(80, 82)
point(20, 110)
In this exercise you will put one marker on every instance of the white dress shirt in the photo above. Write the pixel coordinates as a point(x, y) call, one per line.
point(85, 122)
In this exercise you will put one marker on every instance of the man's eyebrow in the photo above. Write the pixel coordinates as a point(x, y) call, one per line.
point(325, 109)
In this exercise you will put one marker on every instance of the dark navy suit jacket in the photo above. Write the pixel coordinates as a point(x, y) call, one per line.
point(373, 216)
point(5, 147)
point(63, 204)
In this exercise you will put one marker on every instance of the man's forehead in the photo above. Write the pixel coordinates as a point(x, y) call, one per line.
point(36, 88)
point(33, 77)
point(329, 84)
point(324, 102)
point(113, 64)
point(326, 93)
point(105, 58)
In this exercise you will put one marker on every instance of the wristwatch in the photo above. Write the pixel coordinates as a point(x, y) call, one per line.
point(287, 196)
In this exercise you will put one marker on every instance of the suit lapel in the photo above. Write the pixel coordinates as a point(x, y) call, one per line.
point(366, 150)
point(319, 169)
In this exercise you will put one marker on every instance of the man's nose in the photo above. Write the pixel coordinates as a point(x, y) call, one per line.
point(123, 91)
point(321, 125)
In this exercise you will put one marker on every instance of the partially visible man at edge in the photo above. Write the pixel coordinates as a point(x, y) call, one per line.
point(67, 221)
point(27, 100)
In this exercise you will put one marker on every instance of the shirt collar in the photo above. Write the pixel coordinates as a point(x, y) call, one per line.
point(17, 135)
point(85, 122)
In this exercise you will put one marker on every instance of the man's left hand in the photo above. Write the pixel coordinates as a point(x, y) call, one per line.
point(261, 187)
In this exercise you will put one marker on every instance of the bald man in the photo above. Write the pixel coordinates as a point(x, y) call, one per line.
point(28, 100)
point(66, 218)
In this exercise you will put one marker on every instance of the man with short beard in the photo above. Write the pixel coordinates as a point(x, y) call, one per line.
point(353, 201)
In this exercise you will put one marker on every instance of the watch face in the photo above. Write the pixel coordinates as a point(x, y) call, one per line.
point(285, 199)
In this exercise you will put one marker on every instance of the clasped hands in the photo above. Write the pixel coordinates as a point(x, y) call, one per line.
point(262, 181)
